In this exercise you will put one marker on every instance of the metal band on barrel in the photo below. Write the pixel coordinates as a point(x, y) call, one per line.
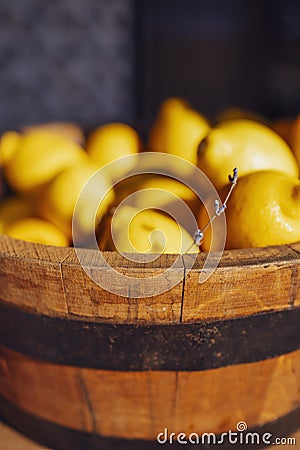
point(129, 347)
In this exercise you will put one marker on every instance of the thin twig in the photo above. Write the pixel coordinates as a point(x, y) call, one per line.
point(219, 209)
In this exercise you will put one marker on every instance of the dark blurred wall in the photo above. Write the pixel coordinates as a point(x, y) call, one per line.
point(94, 61)
point(221, 53)
point(282, 81)
point(66, 60)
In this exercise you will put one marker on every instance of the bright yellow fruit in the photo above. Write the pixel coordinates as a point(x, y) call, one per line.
point(245, 144)
point(67, 129)
point(33, 159)
point(58, 199)
point(157, 191)
point(112, 141)
point(178, 129)
point(168, 195)
point(149, 231)
point(13, 209)
point(264, 209)
point(8, 145)
point(37, 230)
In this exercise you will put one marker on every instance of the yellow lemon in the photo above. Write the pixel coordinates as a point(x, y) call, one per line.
point(13, 209)
point(245, 144)
point(149, 231)
point(36, 157)
point(8, 145)
point(264, 209)
point(67, 129)
point(112, 141)
point(57, 201)
point(177, 130)
point(156, 191)
point(37, 230)
point(166, 194)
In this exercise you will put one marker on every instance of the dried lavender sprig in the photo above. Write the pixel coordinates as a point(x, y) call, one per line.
point(219, 209)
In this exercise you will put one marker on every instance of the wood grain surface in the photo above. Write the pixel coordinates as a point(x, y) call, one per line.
point(138, 405)
point(50, 280)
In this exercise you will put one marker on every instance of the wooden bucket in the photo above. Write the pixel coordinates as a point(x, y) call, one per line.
point(81, 368)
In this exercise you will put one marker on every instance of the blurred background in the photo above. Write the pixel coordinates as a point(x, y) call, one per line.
point(94, 61)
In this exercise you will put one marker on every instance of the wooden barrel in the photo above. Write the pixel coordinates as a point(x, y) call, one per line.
point(81, 368)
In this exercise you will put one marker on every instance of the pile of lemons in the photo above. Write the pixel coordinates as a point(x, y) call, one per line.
point(45, 167)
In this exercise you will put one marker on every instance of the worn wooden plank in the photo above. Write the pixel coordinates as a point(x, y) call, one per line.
point(87, 299)
point(145, 398)
point(141, 404)
point(30, 276)
point(44, 390)
point(50, 280)
point(101, 401)
point(245, 282)
point(295, 282)
point(255, 393)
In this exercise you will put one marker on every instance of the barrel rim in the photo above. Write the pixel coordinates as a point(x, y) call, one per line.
point(50, 281)
point(11, 247)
